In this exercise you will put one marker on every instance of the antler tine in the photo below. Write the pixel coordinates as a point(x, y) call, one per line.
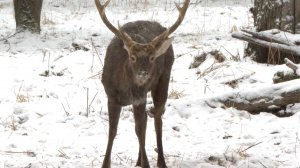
point(118, 32)
point(182, 10)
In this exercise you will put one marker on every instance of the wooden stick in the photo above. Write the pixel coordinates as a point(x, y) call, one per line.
point(290, 64)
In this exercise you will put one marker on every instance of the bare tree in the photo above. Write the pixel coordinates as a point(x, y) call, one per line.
point(28, 15)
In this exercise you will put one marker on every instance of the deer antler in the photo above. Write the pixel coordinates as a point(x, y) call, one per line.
point(126, 38)
point(118, 32)
point(182, 10)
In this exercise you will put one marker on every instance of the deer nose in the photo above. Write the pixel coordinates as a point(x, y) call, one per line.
point(142, 73)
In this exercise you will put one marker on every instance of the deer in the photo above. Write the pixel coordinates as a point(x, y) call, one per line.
point(138, 60)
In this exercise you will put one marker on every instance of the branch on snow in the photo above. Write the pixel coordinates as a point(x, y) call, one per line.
point(293, 66)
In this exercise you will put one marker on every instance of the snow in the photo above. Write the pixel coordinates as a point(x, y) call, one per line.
point(61, 120)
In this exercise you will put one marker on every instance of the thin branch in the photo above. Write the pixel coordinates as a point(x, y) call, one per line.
point(97, 53)
point(93, 100)
point(87, 102)
point(9, 36)
point(67, 113)
point(251, 146)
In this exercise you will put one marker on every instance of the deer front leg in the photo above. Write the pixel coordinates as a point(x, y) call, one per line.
point(160, 95)
point(114, 110)
point(140, 118)
point(158, 129)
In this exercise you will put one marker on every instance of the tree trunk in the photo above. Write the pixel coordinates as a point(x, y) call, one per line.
point(28, 15)
point(297, 17)
point(269, 14)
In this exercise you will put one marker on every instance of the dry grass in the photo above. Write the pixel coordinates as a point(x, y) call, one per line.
point(21, 98)
point(63, 154)
point(211, 69)
point(175, 94)
point(199, 59)
point(5, 4)
point(231, 157)
point(242, 150)
point(10, 122)
point(47, 20)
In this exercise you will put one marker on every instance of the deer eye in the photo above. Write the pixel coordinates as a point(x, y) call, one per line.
point(151, 59)
point(132, 58)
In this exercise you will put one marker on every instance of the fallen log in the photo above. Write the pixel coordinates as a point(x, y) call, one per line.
point(276, 39)
point(270, 36)
point(263, 99)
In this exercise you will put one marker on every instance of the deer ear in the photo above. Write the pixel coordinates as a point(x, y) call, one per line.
point(163, 47)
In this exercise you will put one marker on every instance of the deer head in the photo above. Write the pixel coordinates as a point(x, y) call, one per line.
point(142, 56)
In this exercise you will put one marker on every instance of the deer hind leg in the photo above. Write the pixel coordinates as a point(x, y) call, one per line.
point(140, 118)
point(114, 110)
point(160, 95)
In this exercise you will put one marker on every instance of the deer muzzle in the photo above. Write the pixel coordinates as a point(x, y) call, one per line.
point(142, 77)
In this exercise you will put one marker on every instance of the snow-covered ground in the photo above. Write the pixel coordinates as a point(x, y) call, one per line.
point(53, 107)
